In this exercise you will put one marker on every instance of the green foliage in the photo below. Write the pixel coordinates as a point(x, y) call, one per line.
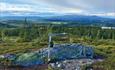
point(107, 64)
point(32, 37)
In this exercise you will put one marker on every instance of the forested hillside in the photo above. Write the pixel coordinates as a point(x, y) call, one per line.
point(32, 37)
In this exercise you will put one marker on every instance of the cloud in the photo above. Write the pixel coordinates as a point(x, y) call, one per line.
point(14, 7)
point(111, 14)
point(97, 7)
point(25, 8)
point(22, 8)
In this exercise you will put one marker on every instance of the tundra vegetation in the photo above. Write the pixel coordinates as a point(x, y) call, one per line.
point(27, 38)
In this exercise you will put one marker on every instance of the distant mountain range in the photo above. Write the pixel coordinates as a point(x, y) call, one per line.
point(65, 18)
point(79, 18)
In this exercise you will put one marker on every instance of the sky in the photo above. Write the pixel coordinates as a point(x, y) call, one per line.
point(49, 7)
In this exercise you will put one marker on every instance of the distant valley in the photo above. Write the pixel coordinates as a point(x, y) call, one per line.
point(68, 20)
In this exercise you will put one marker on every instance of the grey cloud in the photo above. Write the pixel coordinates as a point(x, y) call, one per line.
point(88, 6)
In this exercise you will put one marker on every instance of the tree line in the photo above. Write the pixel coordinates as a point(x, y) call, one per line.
point(38, 31)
